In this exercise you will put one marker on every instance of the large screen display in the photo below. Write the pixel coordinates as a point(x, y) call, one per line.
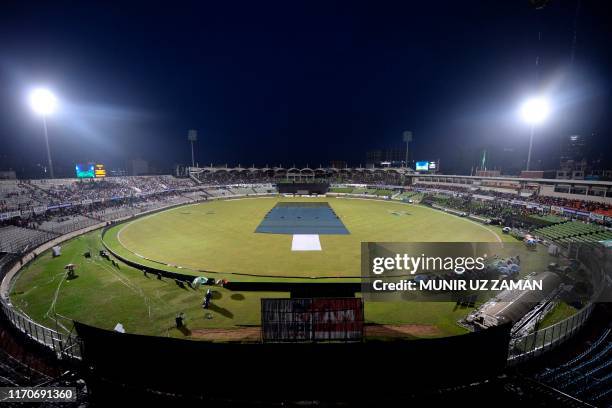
point(90, 170)
point(422, 166)
point(85, 170)
point(100, 171)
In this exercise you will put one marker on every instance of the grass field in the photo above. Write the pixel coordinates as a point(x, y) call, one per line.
point(103, 295)
point(560, 311)
point(219, 236)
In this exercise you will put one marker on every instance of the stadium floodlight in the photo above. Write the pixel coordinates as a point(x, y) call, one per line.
point(534, 111)
point(407, 140)
point(44, 103)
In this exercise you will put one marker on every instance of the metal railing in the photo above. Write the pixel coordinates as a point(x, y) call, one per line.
point(64, 345)
point(598, 260)
point(543, 340)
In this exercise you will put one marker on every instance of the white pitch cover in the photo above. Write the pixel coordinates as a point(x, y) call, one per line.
point(306, 242)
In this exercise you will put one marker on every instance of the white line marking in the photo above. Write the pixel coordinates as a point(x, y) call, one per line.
point(497, 238)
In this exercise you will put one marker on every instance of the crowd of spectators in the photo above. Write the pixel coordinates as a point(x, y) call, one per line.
point(116, 187)
point(97, 198)
point(25, 195)
point(34, 228)
point(223, 177)
point(491, 209)
point(233, 177)
point(380, 178)
point(376, 177)
point(19, 196)
point(533, 198)
point(34, 220)
point(580, 205)
point(59, 206)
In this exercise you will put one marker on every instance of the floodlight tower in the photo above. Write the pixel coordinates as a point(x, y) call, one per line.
point(192, 136)
point(44, 103)
point(407, 139)
point(534, 111)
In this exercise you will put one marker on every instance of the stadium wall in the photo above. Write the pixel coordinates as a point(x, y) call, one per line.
point(288, 371)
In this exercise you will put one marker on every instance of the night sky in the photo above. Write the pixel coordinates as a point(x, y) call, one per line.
point(301, 82)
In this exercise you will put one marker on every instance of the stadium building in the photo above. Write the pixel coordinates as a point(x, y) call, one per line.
point(134, 273)
point(55, 225)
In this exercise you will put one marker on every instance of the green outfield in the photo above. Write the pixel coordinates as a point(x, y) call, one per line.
point(219, 236)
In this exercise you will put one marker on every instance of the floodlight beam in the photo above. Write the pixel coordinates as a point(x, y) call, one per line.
point(534, 111)
point(48, 148)
point(44, 103)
